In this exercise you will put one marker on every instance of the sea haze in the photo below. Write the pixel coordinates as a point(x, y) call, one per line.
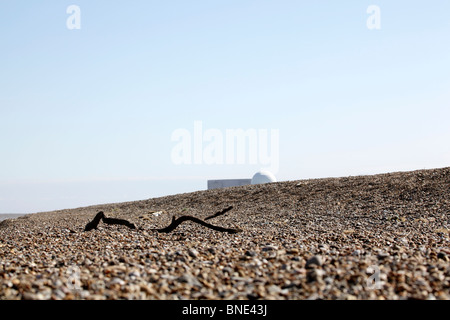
point(4, 216)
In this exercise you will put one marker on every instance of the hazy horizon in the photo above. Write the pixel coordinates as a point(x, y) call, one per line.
point(87, 204)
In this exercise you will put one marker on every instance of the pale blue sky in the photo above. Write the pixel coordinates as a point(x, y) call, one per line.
point(86, 116)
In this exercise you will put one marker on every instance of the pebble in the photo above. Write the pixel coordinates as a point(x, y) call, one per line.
point(269, 248)
point(315, 260)
point(189, 279)
point(193, 252)
point(382, 255)
point(250, 253)
point(442, 256)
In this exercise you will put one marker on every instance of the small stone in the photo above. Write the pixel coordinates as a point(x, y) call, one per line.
point(269, 248)
point(382, 255)
point(189, 279)
point(250, 253)
point(193, 252)
point(148, 289)
point(315, 260)
point(324, 248)
point(59, 294)
point(227, 270)
point(273, 289)
point(315, 275)
point(115, 269)
point(313, 296)
point(14, 282)
point(443, 256)
point(134, 274)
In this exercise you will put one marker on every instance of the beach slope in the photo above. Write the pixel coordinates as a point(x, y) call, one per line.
point(366, 237)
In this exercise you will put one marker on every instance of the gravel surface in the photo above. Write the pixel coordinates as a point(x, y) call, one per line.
point(365, 237)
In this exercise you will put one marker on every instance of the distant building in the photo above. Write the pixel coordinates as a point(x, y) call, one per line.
point(259, 178)
point(262, 177)
point(225, 183)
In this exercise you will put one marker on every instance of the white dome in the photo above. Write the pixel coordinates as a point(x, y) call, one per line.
point(263, 177)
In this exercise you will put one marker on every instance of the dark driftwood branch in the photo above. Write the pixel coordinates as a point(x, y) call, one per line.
point(101, 216)
point(175, 222)
point(118, 221)
point(94, 223)
point(220, 213)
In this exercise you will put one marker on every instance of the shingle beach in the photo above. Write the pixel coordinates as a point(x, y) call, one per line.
point(365, 237)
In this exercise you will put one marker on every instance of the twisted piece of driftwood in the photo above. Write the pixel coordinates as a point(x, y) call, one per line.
point(101, 216)
point(219, 213)
point(94, 223)
point(175, 222)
